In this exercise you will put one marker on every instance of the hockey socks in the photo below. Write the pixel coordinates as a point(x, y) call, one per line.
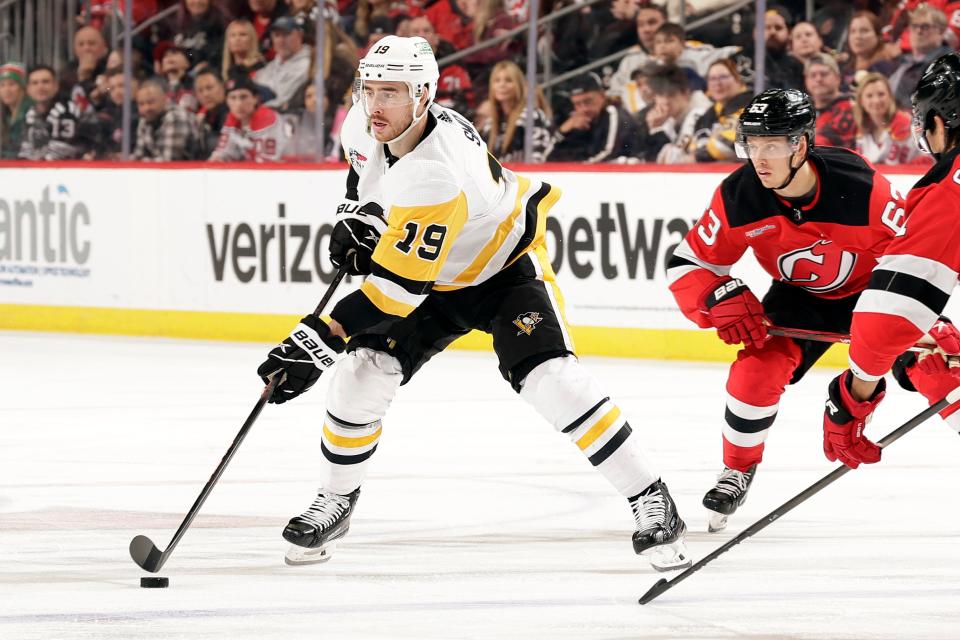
point(566, 395)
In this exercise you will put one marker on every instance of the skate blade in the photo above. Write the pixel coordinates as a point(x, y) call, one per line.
point(716, 522)
point(297, 556)
point(670, 557)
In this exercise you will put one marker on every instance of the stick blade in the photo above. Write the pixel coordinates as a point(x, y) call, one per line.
point(662, 585)
point(146, 554)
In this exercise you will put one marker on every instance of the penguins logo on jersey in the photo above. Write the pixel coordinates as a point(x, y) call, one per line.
point(527, 322)
point(357, 159)
point(818, 268)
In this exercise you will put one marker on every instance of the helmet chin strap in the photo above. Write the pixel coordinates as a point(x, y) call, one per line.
point(793, 172)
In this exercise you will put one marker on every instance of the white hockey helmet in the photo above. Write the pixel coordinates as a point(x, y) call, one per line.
point(398, 59)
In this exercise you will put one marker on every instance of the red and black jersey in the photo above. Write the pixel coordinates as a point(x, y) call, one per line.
point(836, 126)
point(914, 278)
point(828, 247)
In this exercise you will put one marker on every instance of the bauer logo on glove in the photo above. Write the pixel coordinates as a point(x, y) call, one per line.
point(317, 352)
point(300, 359)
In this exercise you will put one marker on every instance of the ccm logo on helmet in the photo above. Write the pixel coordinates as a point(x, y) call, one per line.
point(316, 351)
point(820, 267)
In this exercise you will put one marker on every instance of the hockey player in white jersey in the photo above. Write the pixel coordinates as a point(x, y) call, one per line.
point(450, 241)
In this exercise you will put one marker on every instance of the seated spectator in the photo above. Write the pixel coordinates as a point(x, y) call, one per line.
point(454, 88)
point(108, 142)
point(505, 129)
point(667, 129)
point(694, 57)
point(173, 66)
point(927, 27)
point(199, 29)
point(637, 95)
point(805, 41)
point(14, 105)
point(884, 134)
point(866, 50)
point(573, 35)
point(490, 20)
point(371, 15)
point(716, 131)
point(596, 131)
point(835, 125)
point(290, 69)
point(340, 61)
point(52, 123)
point(781, 69)
point(898, 28)
point(668, 46)
point(90, 50)
point(402, 28)
point(649, 19)
point(378, 29)
point(302, 145)
point(166, 132)
point(262, 14)
point(616, 31)
point(241, 54)
point(448, 18)
point(725, 29)
point(252, 132)
point(213, 111)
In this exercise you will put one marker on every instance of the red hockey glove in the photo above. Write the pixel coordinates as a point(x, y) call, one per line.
point(933, 378)
point(946, 336)
point(735, 312)
point(844, 420)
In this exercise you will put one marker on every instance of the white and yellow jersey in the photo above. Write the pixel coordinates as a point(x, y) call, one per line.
point(454, 216)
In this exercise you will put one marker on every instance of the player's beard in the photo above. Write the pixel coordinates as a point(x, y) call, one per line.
point(392, 129)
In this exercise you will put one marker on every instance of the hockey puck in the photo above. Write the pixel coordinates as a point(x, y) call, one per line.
point(154, 583)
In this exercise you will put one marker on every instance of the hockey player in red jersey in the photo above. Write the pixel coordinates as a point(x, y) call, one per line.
point(816, 220)
point(911, 285)
point(251, 132)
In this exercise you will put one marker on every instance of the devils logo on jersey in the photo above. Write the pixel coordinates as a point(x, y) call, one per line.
point(820, 267)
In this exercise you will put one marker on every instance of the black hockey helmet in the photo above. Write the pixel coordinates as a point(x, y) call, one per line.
point(777, 112)
point(937, 93)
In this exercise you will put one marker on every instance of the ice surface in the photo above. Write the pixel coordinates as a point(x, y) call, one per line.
point(477, 520)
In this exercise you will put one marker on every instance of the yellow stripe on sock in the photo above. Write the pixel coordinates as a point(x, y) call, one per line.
point(598, 429)
point(347, 442)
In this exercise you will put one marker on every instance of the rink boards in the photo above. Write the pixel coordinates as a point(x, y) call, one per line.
point(239, 252)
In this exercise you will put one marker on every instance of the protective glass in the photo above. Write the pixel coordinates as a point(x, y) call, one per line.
point(919, 127)
point(757, 148)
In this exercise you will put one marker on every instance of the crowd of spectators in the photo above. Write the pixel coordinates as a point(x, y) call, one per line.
point(232, 80)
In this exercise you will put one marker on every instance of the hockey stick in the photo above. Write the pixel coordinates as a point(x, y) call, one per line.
point(663, 584)
point(142, 549)
point(827, 336)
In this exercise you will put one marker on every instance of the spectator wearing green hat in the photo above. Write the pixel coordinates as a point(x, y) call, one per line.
point(14, 104)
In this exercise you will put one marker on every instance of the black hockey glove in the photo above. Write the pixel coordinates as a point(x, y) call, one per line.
point(307, 352)
point(355, 236)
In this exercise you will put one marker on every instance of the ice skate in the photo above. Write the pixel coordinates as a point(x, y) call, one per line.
point(316, 532)
point(659, 534)
point(729, 493)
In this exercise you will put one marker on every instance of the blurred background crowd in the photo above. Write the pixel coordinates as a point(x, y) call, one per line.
point(625, 81)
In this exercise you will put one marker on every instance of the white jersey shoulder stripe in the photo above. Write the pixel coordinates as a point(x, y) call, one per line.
point(936, 273)
point(684, 251)
point(895, 304)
